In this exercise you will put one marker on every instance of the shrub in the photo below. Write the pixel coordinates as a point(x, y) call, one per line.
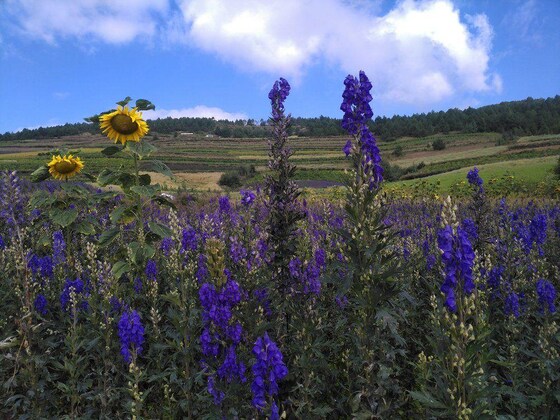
point(438, 144)
point(230, 180)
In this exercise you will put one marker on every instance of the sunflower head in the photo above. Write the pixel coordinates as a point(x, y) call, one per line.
point(124, 125)
point(64, 167)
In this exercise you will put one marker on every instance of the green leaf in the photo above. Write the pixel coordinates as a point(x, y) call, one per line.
point(89, 176)
point(120, 268)
point(40, 174)
point(85, 228)
point(141, 252)
point(108, 236)
point(107, 177)
point(41, 199)
point(144, 105)
point(125, 101)
point(160, 167)
point(111, 150)
point(122, 214)
point(145, 179)
point(161, 230)
point(142, 149)
point(427, 400)
point(63, 217)
point(146, 190)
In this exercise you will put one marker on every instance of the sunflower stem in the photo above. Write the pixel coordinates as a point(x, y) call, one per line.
point(139, 213)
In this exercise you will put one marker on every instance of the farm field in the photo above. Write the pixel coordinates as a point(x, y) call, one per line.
point(198, 162)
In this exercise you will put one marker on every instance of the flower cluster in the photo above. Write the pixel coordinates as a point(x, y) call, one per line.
point(40, 304)
point(457, 256)
point(546, 294)
point(247, 197)
point(268, 369)
point(277, 95)
point(357, 113)
point(151, 270)
point(220, 336)
point(474, 178)
point(131, 335)
point(71, 290)
point(59, 248)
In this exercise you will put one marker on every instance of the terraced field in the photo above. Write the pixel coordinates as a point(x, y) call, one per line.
point(199, 161)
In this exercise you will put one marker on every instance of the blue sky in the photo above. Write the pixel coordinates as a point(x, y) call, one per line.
point(64, 60)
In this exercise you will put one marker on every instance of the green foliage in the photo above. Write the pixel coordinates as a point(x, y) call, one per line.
point(230, 180)
point(438, 144)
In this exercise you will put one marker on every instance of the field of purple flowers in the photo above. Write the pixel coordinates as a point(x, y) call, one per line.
point(118, 305)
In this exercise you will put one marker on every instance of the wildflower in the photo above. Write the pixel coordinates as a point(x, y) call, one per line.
point(268, 369)
point(75, 287)
point(277, 95)
point(546, 294)
point(151, 270)
point(458, 258)
point(512, 305)
point(189, 242)
point(131, 334)
point(40, 304)
point(64, 167)
point(247, 197)
point(59, 248)
point(474, 179)
point(124, 125)
point(357, 112)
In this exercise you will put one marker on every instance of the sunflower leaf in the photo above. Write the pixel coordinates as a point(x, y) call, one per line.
point(144, 105)
point(125, 101)
point(141, 149)
point(120, 268)
point(146, 190)
point(111, 150)
point(108, 236)
point(64, 217)
point(160, 167)
point(40, 174)
point(145, 179)
point(161, 230)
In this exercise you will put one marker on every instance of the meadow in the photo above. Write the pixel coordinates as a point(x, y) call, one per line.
point(374, 300)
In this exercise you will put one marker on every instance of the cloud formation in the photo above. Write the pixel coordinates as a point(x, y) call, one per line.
point(201, 111)
point(114, 22)
point(420, 52)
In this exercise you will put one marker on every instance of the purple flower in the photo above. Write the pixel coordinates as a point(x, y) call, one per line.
point(40, 304)
point(247, 197)
point(166, 245)
point(458, 258)
point(59, 248)
point(277, 95)
point(474, 179)
point(189, 242)
point(512, 305)
point(131, 334)
point(224, 204)
point(151, 270)
point(546, 294)
point(77, 286)
point(357, 112)
point(268, 369)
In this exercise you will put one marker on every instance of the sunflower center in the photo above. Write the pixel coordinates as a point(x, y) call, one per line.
point(123, 124)
point(65, 167)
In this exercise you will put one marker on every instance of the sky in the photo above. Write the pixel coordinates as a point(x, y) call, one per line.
point(61, 60)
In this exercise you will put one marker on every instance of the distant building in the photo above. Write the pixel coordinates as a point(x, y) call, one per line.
point(187, 134)
point(208, 136)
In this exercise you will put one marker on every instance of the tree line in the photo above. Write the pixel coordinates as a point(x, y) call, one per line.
point(515, 118)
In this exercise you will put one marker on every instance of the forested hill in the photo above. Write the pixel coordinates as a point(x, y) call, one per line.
point(527, 117)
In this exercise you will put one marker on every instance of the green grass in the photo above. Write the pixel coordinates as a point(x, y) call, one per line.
point(528, 171)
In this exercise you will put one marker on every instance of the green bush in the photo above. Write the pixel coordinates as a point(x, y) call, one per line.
point(230, 180)
point(438, 144)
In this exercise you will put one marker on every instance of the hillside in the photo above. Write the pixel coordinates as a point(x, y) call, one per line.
point(516, 118)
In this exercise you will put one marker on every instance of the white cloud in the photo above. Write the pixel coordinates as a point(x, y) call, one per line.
point(201, 111)
point(421, 51)
point(106, 20)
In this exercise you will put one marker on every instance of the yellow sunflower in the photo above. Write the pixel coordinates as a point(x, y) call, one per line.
point(124, 125)
point(64, 167)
